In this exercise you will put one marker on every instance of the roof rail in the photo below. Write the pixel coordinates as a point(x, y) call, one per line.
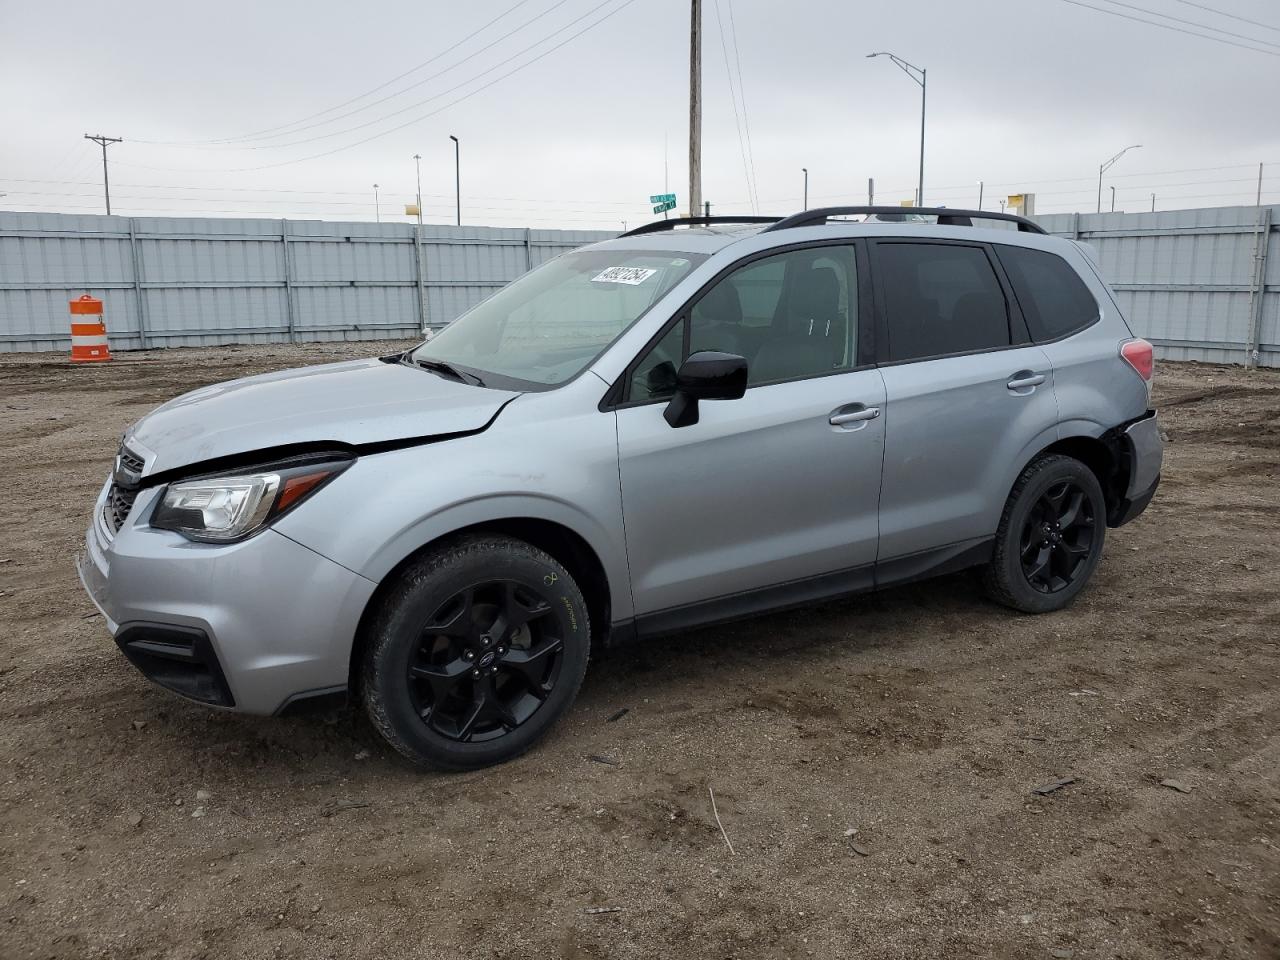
point(946, 216)
point(659, 225)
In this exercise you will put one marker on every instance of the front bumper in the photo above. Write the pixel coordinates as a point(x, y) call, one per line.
point(249, 626)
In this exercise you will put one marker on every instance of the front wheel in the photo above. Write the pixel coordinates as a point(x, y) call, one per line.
point(475, 652)
point(1050, 536)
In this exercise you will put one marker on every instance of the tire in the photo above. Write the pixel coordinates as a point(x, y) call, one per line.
point(474, 653)
point(1050, 537)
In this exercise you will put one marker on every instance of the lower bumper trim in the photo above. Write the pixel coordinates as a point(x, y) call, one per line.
point(314, 701)
point(177, 658)
point(1129, 508)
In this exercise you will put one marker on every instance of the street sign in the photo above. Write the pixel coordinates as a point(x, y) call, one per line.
point(664, 207)
point(663, 198)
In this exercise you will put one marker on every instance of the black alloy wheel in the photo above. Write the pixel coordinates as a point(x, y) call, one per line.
point(489, 657)
point(1050, 536)
point(476, 648)
point(1057, 537)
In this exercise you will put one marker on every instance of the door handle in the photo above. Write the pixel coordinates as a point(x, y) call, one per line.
point(1022, 381)
point(853, 416)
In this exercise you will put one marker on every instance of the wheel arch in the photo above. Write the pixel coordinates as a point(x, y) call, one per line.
point(1102, 452)
point(565, 545)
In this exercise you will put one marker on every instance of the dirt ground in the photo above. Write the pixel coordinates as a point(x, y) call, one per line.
point(133, 824)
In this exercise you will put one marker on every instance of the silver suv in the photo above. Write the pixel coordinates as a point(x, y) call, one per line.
point(698, 421)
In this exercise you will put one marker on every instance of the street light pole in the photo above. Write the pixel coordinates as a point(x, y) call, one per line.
point(377, 211)
point(805, 170)
point(979, 194)
point(911, 70)
point(1113, 199)
point(1107, 165)
point(457, 177)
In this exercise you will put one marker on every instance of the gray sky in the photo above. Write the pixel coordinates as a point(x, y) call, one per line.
point(1023, 94)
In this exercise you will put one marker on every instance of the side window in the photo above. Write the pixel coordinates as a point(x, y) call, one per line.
point(941, 298)
point(1053, 298)
point(792, 315)
point(655, 375)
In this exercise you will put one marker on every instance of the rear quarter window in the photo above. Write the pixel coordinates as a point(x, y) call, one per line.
point(1054, 300)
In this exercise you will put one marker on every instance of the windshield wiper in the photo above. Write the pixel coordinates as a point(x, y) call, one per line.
point(449, 370)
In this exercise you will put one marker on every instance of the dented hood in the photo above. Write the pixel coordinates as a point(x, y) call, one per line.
point(353, 403)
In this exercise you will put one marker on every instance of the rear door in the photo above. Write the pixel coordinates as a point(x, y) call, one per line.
point(968, 397)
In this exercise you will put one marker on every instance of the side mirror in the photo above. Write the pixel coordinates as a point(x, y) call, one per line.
point(706, 375)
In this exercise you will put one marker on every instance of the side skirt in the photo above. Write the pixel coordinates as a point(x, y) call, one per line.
point(801, 593)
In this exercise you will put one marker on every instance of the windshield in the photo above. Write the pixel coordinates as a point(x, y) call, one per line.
point(546, 327)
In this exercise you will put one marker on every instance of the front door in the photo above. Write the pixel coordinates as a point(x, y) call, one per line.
point(771, 498)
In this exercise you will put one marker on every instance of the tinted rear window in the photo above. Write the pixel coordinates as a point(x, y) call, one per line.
point(940, 299)
point(1053, 298)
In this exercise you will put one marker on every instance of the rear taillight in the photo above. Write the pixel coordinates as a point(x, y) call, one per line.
point(1138, 354)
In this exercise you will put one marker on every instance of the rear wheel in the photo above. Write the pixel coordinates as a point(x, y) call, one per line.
point(478, 649)
point(1050, 536)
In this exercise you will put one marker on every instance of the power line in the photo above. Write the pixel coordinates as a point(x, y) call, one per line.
point(1026, 183)
point(1168, 26)
point(346, 103)
point(275, 214)
point(746, 123)
point(327, 193)
point(412, 86)
point(733, 97)
point(1256, 23)
point(434, 96)
point(443, 204)
point(1193, 23)
point(418, 119)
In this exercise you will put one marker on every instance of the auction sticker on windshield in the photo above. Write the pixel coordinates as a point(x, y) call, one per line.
point(629, 275)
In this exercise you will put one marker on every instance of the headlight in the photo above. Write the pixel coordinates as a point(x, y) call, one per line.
point(228, 508)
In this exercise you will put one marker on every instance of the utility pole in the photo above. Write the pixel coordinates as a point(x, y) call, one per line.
point(377, 211)
point(1259, 199)
point(1113, 199)
point(457, 177)
point(695, 107)
point(1153, 203)
point(806, 187)
point(707, 211)
point(871, 191)
point(417, 162)
point(666, 172)
point(106, 184)
point(980, 185)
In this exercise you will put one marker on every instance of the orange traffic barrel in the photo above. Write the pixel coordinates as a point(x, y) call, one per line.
point(88, 332)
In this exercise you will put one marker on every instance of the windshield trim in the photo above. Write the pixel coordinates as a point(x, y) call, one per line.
point(502, 381)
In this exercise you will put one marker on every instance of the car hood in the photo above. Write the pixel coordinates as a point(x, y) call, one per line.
point(353, 403)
